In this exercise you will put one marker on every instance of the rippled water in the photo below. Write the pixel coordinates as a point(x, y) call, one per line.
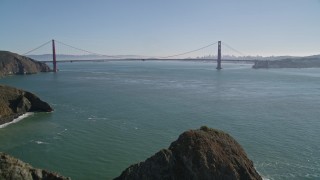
point(110, 115)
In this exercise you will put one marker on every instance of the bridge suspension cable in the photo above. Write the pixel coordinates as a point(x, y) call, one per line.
point(37, 48)
point(188, 52)
point(79, 49)
point(228, 46)
point(119, 56)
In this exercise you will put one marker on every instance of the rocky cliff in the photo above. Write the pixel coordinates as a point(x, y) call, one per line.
point(197, 154)
point(11, 63)
point(15, 102)
point(14, 169)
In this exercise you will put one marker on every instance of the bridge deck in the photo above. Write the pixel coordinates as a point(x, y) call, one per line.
point(104, 60)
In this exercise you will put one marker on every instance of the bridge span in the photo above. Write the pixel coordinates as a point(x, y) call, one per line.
point(105, 58)
point(154, 59)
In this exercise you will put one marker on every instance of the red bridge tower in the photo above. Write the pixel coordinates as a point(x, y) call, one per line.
point(54, 60)
point(219, 56)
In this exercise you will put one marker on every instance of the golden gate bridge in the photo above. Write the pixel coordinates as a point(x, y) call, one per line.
point(218, 58)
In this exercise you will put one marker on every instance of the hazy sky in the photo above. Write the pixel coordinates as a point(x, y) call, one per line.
point(163, 27)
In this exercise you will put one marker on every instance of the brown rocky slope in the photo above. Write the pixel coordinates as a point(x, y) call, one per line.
point(14, 169)
point(197, 154)
point(15, 102)
point(11, 63)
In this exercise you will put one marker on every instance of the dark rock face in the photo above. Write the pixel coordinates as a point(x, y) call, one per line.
point(197, 154)
point(15, 102)
point(14, 169)
point(11, 63)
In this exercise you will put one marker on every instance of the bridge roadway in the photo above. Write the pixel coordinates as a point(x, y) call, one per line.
point(153, 59)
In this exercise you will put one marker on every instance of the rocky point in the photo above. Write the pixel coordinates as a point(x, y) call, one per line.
point(15, 102)
point(197, 154)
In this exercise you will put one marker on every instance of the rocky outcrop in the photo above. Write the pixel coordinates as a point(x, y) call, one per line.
point(197, 154)
point(15, 102)
point(11, 63)
point(14, 169)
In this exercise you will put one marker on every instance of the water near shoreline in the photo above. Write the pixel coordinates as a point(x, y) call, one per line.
point(23, 116)
point(110, 115)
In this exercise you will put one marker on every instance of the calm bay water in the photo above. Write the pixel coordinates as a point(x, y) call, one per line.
point(113, 114)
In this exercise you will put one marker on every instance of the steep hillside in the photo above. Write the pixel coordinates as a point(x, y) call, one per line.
point(11, 63)
point(15, 102)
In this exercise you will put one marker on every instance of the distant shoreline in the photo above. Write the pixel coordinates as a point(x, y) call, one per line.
point(288, 63)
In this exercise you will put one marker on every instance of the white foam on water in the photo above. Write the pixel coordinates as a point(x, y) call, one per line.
point(17, 119)
point(97, 118)
point(265, 178)
point(62, 132)
point(39, 142)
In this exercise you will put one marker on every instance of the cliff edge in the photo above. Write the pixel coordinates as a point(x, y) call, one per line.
point(197, 154)
point(15, 102)
point(14, 169)
point(11, 63)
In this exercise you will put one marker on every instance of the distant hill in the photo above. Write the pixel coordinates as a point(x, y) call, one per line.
point(314, 56)
point(11, 63)
point(295, 62)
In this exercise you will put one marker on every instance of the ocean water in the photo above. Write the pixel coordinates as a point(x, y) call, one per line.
point(113, 114)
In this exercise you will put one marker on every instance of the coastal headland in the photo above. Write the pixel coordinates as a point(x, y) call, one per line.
point(12, 64)
point(15, 169)
point(204, 153)
point(16, 102)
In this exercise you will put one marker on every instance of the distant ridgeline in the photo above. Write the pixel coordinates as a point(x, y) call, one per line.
point(11, 63)
point(303, 62)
